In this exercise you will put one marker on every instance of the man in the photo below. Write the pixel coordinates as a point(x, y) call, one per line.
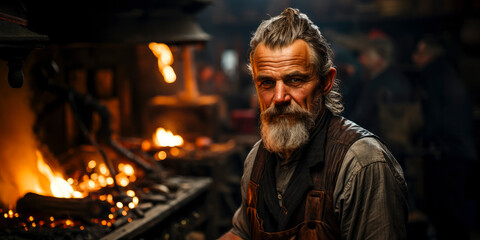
point(314, 174)
point(383, 103)
point(447, 139)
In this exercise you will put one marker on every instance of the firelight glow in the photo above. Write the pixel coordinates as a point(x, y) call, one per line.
point(165, 59)
point(59, 187)
point(165, 138)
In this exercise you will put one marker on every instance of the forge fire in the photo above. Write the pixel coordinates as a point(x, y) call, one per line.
point(90, 191)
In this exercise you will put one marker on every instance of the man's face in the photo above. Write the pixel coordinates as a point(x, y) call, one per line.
point(284, 75)
point(421, 57)
point(289, 95)
point(370, 60)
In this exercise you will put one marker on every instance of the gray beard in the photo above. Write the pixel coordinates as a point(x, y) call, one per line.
point(284, 134)
point(283, 137)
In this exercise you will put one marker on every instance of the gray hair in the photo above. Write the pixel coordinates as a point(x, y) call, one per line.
point(282, 30)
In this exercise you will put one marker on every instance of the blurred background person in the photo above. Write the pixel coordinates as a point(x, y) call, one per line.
point(385, 94)
point(446, 138)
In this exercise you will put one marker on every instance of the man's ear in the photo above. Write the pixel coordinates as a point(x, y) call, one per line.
point(328, 82)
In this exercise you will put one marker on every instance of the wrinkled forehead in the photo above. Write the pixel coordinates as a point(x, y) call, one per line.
point(298, 54)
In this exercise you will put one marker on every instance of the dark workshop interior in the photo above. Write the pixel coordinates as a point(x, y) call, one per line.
point(132, 119)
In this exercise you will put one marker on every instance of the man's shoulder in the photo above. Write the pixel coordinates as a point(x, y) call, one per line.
point(368, 150)
point(369, 153)
point(255, 147)
point(251, 155)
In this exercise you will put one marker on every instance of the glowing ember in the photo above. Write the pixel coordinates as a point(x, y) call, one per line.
point(110, 198)
point(122, 180)
point(92, 164)
point(126, 168)
point(94, 176)
point(165, 138)
point(161, 155)
point(135, 200)
point(102, 181)
point(130, 193)
point(174, 151)
point(146, 145)
point(165, 59)
point(109, 180)
point(69, 223)
point(104, 169)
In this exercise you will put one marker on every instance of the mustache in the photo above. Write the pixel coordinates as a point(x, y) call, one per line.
point(292, 111)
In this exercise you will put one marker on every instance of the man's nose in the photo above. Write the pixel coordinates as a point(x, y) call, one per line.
point(282, 95)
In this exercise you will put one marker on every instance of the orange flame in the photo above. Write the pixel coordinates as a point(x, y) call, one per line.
point(99, 177)
point(58, 186)
point(165, 59)
point(165, 138)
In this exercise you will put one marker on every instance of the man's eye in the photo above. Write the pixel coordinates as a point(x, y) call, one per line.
point(267, 83)
point(295, 81)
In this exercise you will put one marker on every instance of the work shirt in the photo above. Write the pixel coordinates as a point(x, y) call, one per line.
point(369, 196)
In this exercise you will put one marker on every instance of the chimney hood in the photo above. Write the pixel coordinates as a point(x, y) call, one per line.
point(118, 21)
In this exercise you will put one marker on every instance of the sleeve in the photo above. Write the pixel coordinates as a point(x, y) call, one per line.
point(371, 196)
point(240, 220)
point(240, 224)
